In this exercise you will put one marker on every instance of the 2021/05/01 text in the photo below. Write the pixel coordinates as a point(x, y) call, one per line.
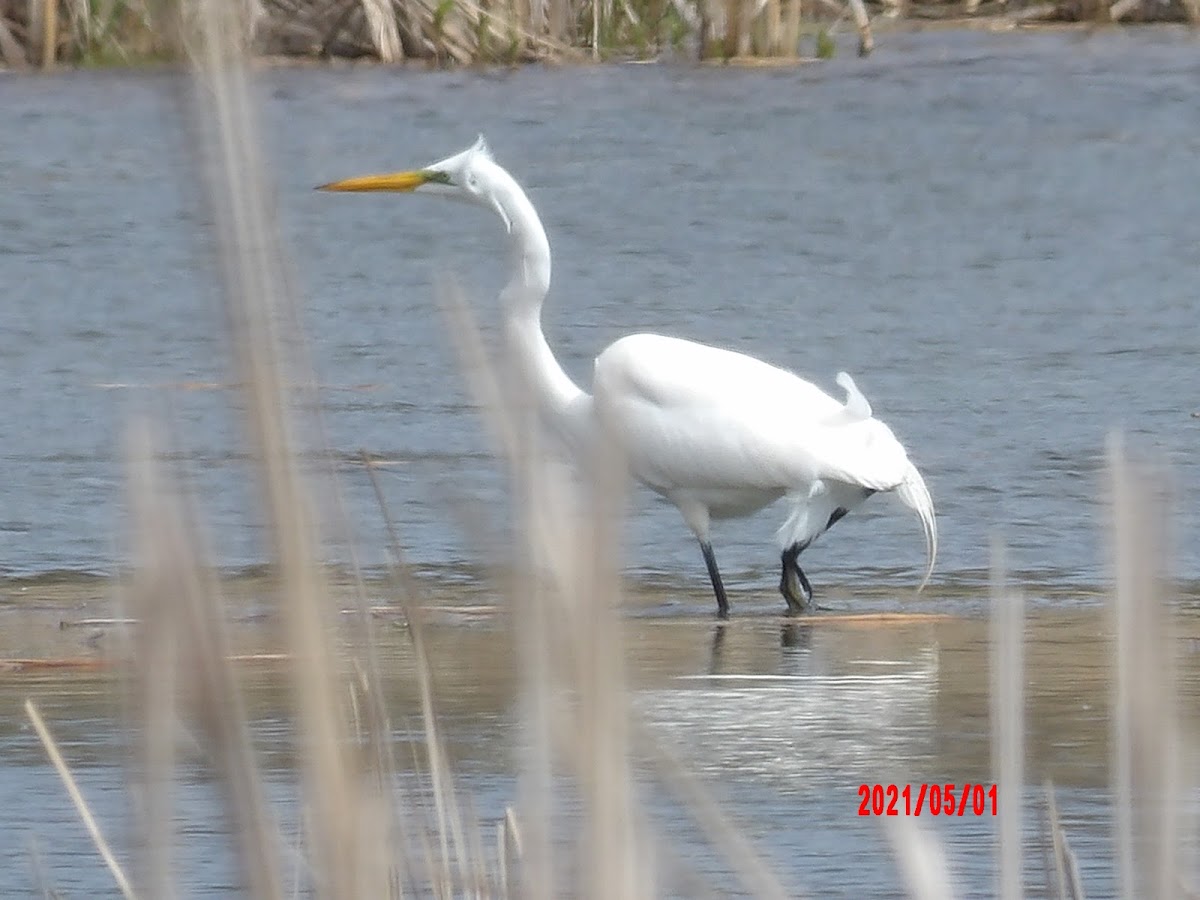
point(936, 799)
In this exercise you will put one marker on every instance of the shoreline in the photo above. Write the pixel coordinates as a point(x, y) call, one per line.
point(570, 57)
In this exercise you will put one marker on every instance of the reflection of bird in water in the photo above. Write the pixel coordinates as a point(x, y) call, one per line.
point(716, 655)
point(719, 434)
point(825, 706)
point(792, 636)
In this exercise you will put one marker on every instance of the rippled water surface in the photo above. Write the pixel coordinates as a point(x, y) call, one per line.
point(995, 234)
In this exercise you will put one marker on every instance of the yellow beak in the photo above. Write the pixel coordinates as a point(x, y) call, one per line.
point(393, 181)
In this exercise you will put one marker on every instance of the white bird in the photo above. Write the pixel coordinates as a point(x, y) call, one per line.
point(717, 433)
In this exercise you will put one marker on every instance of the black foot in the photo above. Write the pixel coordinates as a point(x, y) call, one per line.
point(793, 583)
point(714, 573)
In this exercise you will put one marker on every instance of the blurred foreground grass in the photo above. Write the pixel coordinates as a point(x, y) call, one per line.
point(364, 836)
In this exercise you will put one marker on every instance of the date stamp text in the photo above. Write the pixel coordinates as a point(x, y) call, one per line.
point(933, 799)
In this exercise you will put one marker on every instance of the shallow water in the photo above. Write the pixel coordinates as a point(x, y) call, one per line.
point(993, 233)
point(783, 721)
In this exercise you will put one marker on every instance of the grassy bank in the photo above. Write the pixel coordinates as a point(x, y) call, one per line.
point(461, 32)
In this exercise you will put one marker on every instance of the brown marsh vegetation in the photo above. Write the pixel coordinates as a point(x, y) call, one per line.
point(460, 32)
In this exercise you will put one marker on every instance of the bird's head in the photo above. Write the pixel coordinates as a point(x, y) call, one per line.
point(471, 176)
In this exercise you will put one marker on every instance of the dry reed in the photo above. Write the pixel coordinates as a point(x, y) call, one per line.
point(81, 806)
point(1008, 721)
point(1147, 748)
point(461, 32)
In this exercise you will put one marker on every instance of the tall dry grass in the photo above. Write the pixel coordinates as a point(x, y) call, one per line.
point(364, 836)
point(463, 32)
point(441, 32)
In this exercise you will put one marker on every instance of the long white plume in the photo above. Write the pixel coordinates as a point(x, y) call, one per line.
point(913, 493)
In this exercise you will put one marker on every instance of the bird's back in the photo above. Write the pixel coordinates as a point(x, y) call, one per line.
point(674, 371)
point(690, 415)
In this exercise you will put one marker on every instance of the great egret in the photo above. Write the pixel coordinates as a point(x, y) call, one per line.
point(717, 433)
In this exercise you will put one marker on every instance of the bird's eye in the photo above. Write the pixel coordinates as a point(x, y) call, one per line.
point(472, 182)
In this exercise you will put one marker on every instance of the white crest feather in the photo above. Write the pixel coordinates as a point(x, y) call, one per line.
point(856, 404)
point(481, 146)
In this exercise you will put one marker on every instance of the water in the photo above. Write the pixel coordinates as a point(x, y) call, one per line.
point(783, 724)
point(993, 233)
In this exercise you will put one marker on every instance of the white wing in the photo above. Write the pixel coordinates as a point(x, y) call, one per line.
point(689, 415)
point(696, 418)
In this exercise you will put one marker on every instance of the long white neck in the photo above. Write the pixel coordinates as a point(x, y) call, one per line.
point(559, 399)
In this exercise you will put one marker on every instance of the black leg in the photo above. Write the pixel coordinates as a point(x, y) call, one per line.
point(793, 583)
point(714, 573)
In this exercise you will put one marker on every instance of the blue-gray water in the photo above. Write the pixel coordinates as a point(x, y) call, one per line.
point(995, 234)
